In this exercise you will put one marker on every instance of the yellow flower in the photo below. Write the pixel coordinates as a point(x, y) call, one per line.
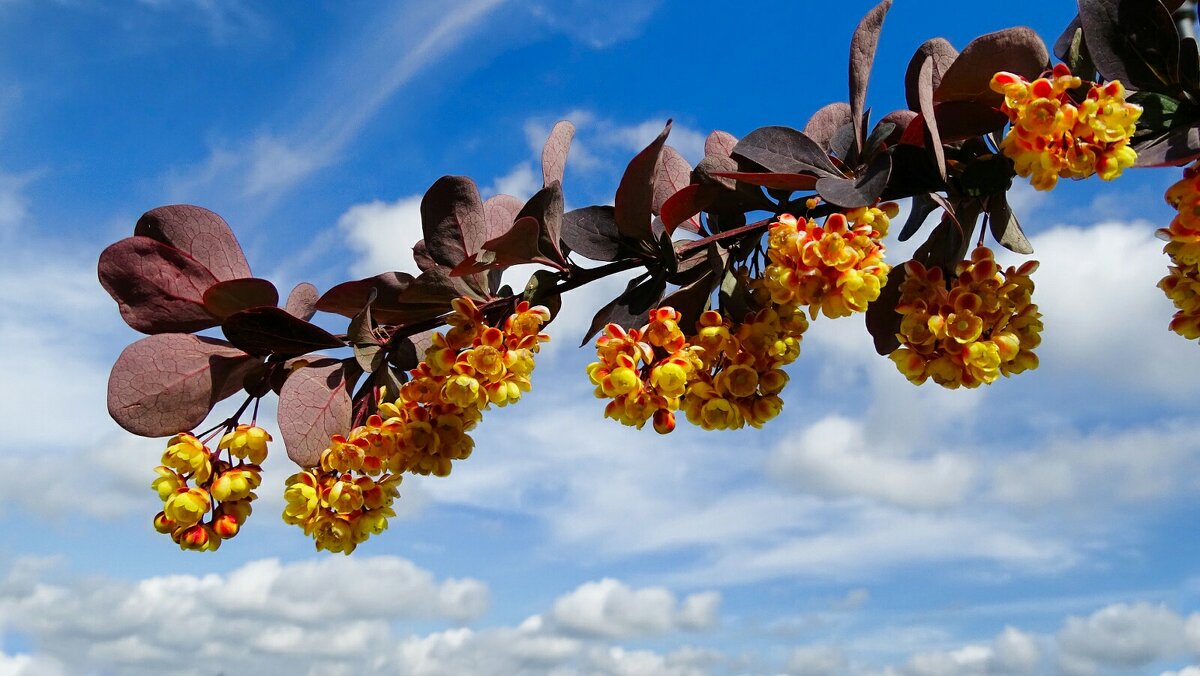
point(186, 455)
point(247, 442)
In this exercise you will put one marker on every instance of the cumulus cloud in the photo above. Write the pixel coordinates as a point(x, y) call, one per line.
point(816, 660)
point(1012, 652)
point(833, 458)
point(1127, 636)
point(333, 616)
point(381, 234)
point(609, 608)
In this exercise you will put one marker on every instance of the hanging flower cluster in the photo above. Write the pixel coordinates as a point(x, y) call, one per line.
point(1182, 283)
point(979, 327)
point(468, 368)
point(836, 268)
point(1052, 136)
point(222, 490)
point(723, 377)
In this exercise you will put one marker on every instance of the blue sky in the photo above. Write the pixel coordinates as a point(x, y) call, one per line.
point(1042, 525)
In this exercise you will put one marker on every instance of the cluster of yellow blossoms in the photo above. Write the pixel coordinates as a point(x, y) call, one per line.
point(1182, 283)
point(981, 327)
point(471, 366)
point(836, 268)
point(222, 487)
point(723, 377)
point(1052, 136)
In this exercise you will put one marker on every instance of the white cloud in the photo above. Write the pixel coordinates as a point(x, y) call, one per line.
point(1105, 319)
point(833, 458)
point(1090, 472)
point(1126, 636)
point(381, 235)
point(816, 660)
point(332, 615)
point(1012, 652)
point(254, 616)
point(521, 182)
point(609, 608)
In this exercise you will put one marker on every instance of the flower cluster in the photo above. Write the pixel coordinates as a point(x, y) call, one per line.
point(466, 369)
point(836, 268)
point(222, 490)
point(1052, 136)
point(723, 377)
point(983, 325)
point(1182, 283)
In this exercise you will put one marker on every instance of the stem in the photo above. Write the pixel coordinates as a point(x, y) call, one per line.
point(232, 420)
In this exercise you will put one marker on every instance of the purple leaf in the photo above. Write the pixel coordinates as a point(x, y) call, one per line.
point(628, 309)
point(453, 222)
point(679, 209)
point(302, 301)
point(773, 180)
point(546, 209)
point(348, 298)
point(272, 330)
point(672, 174)
point(785, 150)
point(1004, 226)
point(1172, 149)
point(592, 231)
point(925, 99)
point(862, 56)
point(1016, 50)
point(825, 123)
point(500, 211)
point(883, 322)
point(861, 191)
point(421, 256)
point(1134, 42)
point(428, 296)
point(635, 193)
point(720, 143)
point(158, 288)
point(234, 295)
point(313, 406)
point(554, 153)
point(199, 233)
point(168, 383)
point(943, 54)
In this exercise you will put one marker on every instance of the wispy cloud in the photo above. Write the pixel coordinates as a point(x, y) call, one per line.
point(333, 105)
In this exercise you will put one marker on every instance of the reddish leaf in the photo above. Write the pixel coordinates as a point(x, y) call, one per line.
point(635, 193)
point(679, 208)
point(592, 231)
point(720, 143)
point(771, 180)
point(516, 247)
point(785, 150)
point(862, 57)
point(630, 308)
point(922, 205)
point(234, 295)
point(900, 119)
point(158, 288)
point(1016, 50)
point(925, 98)
point(453, 222)
point(302, 301)
point(883, 322)
point(554, 153)
point(168, 383)
point(313, 406)
point(959, 120)
point(500, 211)
point(267, 330)
point(861, 191)
point(672, 174)
point(428, 296)
point(943, 54)
point(199, 233)
point(692, 299)
point(1134, 42)
point(825, 123)
point(348, 298)
point(421, 256)
point(1004, 226)
point(546, 209)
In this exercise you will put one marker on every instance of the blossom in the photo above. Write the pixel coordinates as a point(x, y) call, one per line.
point(1182, 283)
point(247, 442)
point(1053, 136)
point(968, 331)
